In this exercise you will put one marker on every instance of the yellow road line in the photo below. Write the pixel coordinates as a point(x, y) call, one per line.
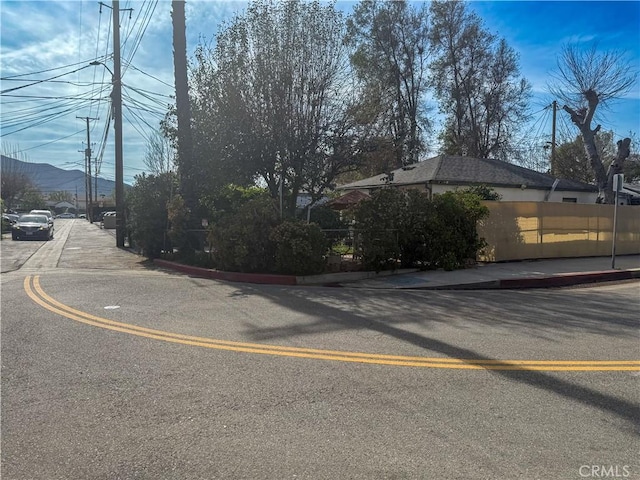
point(37, 294)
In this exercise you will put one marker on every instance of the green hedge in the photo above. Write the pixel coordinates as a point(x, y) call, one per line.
point(407, 229)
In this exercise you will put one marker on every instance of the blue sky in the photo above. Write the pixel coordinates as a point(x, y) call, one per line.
point(58, 37)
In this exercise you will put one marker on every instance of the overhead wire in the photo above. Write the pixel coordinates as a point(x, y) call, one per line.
point(84, 62)
point(42, 81)
point(48, 143)
point(139, 104)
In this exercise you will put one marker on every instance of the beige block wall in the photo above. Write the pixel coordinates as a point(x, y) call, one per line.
point(530, 230)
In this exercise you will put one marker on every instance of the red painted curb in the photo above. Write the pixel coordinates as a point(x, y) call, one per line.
point(262, 278)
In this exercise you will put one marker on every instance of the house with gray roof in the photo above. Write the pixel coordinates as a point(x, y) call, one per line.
point(448, 172)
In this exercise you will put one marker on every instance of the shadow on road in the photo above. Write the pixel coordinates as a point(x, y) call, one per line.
point(549, 316)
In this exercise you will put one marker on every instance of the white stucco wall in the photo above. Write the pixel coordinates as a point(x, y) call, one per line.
point(528, 194)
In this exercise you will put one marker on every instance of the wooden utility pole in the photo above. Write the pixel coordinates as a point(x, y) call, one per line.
point(554, 105)
point(117, 115)
point(87, 156)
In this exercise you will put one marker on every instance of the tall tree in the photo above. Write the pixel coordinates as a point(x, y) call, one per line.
point(584, 80)
point(272, 99)
point(476, 80)
point(390, 59)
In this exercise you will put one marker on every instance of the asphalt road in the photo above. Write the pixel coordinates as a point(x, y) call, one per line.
point(120, 371)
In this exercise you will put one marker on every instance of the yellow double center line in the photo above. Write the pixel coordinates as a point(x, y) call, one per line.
point(35, 292)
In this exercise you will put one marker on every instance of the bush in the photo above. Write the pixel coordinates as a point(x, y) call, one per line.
point(327, 218)
point(409, 229)
point(457, 216)
point(378, 224)
point(241, 240)
point(147, 212)
point(300, 248)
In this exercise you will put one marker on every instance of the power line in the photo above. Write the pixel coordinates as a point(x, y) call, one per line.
point(42, 81)
point(85, 62)
point(48, 143)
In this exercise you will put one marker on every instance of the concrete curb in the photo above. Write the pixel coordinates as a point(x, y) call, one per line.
point(547, 281)
point(338, 279)
point(327, 279)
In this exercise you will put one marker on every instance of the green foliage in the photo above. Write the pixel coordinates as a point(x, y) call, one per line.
point(241, 240)
point(228, 199)
point(147, 218)
point(61, 196)
point(408, 229)
point(457, 215)
point(178, 216)
point(378, 224)
point(327, 218)
point(416, 235)
point(300, 248)
point(270, 101)
point(484, 192)
point(32, 199)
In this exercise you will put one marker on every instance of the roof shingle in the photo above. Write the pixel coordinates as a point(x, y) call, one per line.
point(459, 170)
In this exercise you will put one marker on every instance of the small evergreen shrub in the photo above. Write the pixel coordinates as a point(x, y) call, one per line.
point(300, 248)
point(241, 240)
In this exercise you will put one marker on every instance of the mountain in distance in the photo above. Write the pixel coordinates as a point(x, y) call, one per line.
point(49, 179)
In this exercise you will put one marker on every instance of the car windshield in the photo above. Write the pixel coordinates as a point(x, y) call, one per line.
point(33, 219)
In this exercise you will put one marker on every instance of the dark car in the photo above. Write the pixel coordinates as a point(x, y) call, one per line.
point(32, 227)
point(8, 219)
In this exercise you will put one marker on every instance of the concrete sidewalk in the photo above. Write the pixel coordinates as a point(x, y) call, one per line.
point(522, 274)
point(89, 246)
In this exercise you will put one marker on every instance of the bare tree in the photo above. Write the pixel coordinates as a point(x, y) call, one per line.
point(159, 157)
point(477, 83)
point(585, 80)
point(390, 60)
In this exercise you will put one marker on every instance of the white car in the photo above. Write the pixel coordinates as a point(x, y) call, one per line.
point(43, 212)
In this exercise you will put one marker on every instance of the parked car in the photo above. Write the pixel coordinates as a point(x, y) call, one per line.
point(31, 226)
point(43, 212)
point(8, 219)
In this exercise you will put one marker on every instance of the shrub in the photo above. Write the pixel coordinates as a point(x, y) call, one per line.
point(241, 240)
point(178, 216)
point(378, 222)
point(300, 248)
point(327, 218)
point(457, 216)
point(410, 229)
point(147, 212)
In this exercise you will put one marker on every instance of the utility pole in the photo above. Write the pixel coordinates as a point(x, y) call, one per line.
point(87, 152)
point(554, 105)
point(116, 99)
point(117, 110)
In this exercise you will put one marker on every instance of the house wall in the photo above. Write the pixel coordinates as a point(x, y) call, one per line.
point(532, 230)
point(526, 194)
